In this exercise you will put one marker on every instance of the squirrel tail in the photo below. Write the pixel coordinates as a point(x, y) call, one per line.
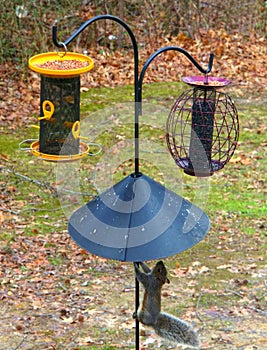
point(176, 330)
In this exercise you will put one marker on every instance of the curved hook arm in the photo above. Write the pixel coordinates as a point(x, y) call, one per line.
point(169, 48)
point(135, 49)
point(86, 24)
point(92, 20)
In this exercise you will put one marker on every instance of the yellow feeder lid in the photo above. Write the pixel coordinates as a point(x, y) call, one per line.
point(66, 64)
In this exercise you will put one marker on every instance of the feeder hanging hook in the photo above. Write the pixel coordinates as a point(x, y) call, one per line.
point(62, 54)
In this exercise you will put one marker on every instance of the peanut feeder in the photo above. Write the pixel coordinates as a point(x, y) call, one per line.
point(202, 127)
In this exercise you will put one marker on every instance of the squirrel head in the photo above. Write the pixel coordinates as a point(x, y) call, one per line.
point(160, 272)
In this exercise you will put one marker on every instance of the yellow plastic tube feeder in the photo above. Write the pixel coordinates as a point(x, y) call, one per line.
point(59, 138)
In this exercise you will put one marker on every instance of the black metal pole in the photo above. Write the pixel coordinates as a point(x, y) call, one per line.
point(137, 330)
point(136, 115)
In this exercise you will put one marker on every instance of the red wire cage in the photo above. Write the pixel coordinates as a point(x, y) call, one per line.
point(202, 127)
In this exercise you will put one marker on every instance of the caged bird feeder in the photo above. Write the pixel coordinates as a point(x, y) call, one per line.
point(59, 136)
point(202, 127)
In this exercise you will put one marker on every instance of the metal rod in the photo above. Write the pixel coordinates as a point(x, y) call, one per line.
point(136, 319)
point(158, 52)
point(135, 49)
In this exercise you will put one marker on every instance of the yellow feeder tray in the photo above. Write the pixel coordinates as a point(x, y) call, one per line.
point(84, 150)
point(43, 62)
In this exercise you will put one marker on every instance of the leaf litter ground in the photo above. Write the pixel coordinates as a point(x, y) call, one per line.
point(55, 295)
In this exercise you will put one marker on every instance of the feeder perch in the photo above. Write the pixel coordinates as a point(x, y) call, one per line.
point(59, 136)
point(202, 127)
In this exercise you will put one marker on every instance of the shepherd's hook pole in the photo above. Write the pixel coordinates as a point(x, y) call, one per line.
point(138, 99)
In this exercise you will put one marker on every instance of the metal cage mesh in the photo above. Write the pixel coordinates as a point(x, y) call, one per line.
point(202, 131)
point(64, 93)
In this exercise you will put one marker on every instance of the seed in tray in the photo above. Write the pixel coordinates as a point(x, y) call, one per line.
point(212, 83)
point(63, 65)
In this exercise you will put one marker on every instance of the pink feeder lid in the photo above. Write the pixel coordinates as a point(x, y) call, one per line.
point(206, 81)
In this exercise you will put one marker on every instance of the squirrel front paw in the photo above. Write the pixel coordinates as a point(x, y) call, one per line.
point(134, 315)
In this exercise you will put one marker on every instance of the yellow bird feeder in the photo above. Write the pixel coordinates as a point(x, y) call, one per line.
point(59, 135)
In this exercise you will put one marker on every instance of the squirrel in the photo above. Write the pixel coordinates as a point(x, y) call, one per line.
point(149, 311)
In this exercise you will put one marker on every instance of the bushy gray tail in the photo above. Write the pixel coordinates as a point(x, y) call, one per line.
point(176, 330)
